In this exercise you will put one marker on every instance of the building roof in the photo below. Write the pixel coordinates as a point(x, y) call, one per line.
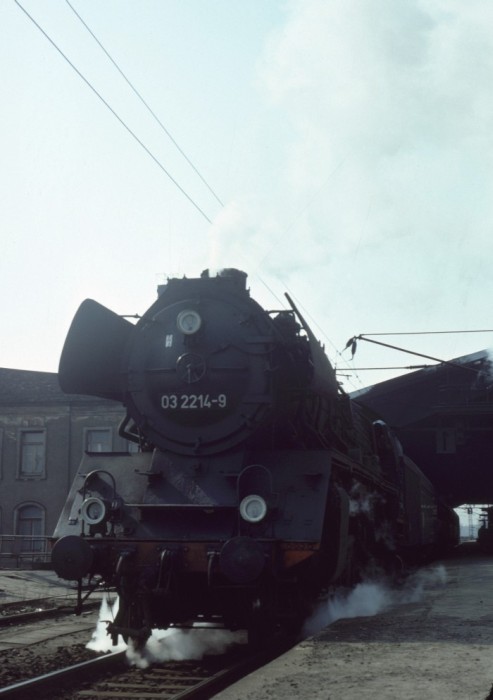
point(443, 415)
point(27, 387)
point(465, 381)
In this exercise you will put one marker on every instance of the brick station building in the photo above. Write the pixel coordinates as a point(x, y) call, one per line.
point(43, 434)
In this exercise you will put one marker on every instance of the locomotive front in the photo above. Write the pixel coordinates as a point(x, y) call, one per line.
point(221, 513)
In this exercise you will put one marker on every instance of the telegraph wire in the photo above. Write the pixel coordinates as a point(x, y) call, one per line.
point(132, 133)
point(146, 105)
point(271, 291)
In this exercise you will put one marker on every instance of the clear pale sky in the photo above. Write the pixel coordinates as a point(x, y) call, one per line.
point(351, 142)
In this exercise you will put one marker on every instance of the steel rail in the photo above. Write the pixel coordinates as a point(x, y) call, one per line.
point(30, 688)
point(45, 614)
point(201, 690)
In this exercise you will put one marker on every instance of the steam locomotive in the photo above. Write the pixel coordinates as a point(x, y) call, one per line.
point(257, 484)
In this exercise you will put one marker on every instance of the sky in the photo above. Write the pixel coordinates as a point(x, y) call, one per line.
point(348, 146)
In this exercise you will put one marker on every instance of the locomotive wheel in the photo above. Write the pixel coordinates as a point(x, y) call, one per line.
point(286, 617)
point(261, 628)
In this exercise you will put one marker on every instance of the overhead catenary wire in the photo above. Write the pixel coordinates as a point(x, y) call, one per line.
point(146, 105)
point(115, 114)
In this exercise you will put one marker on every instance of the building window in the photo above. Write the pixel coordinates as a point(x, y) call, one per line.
point(30, 523)
point(132, 447)
point(33, 451)
point(98, 440)
point(1, 451)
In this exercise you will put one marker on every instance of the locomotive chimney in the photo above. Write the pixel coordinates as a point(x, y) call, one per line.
point(237, 277)
point(231, 276)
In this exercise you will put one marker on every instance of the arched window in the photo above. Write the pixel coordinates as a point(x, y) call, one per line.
point(30, 525)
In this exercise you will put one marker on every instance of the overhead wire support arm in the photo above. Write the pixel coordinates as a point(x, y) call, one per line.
point(477, 330)
point(132, 133)
point(363, 369)
point(352, 343)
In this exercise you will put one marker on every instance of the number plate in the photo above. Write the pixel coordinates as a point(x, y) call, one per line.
point(190, 402)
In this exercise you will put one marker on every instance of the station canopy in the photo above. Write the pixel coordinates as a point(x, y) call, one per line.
point(443, 416)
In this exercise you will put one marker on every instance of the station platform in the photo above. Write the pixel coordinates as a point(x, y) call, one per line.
point(432, 638)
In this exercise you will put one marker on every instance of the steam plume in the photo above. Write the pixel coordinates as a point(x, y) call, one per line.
point(373, 597)
point(162, 645)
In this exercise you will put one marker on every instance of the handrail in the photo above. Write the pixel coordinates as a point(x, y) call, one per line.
point(19, 549)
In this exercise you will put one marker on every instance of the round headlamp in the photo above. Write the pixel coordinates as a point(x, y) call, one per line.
point(253, 508)
point(188, 321)
point(93, 511)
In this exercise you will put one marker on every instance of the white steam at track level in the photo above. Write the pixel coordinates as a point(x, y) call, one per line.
point(366, 599)
point(373, 597)
point(163, 645)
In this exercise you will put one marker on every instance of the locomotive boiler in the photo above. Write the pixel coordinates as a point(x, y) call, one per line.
point(256, 484)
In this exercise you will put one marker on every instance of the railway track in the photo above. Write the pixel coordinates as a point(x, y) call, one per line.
point(112, 679)
point(40, 609)
point(38, 642)
point(49, 684)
